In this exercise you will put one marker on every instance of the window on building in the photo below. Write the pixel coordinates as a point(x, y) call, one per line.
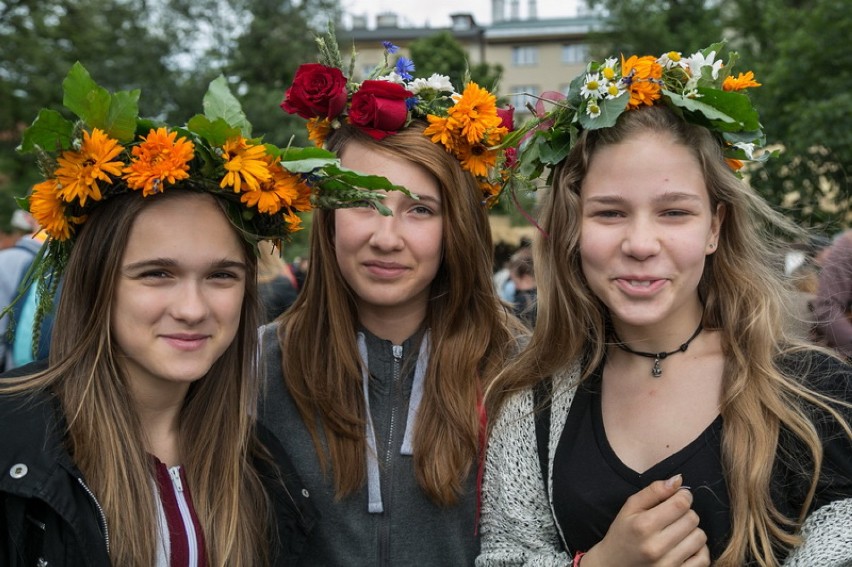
point(520, 96)
point(575, 53)
point(524, 55)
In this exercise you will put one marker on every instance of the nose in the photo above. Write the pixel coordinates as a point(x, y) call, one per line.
point(190, 303)
point(387, 234)
point(641, 239)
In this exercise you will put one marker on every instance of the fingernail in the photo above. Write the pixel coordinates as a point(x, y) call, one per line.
point(672, 481)
point(687, 488)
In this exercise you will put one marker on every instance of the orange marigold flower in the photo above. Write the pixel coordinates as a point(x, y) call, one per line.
point(743, 81)
point(643, 76)
point(159, 159)
point(477, 159)
point(49, 210)
point(734, 164)
point(79, 171)
point(474, 113)
point(244, 163)
point(318, 129)
point(294, 222)
point(440, 132)
point(280, 190)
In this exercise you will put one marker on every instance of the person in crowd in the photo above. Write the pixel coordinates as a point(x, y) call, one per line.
point(276, 283)
point(375, 375)
point(833, 303)
point(136, 444)
point(662, 414)
point(15, 262)
point(522, 274)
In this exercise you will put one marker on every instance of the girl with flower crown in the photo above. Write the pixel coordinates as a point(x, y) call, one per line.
point(375, 374)
point(136, 444)
point(663, 413)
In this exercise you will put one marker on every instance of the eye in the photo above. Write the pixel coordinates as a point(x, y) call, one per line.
point(422, 210)
point(225, 275)
point(154, 275)
point(676, 213)
point(608, 213)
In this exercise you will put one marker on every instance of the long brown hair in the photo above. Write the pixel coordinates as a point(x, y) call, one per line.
point(744, 298)
point(105, 436)
point(471, 332)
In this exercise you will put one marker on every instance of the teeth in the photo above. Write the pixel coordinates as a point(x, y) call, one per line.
point(640, 283)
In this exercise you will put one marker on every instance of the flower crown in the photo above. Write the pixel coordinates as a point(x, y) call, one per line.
point(701, 88)
point(469, 125)
point(111, 151)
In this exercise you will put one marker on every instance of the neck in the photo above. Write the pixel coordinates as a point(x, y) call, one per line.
point(392, 325)
point(159, 415)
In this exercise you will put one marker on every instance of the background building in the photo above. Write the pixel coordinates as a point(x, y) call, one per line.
point(536, 54)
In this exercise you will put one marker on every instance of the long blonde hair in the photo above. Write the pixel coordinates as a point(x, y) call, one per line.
point(471, 335)
point(744, 299)
point(104, 433)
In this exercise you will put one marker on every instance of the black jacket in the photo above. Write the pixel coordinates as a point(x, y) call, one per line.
point(48, 513)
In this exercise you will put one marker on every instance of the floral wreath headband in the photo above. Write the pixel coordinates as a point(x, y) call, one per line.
point(468, 125)
point(111, 151)
point(701, 89)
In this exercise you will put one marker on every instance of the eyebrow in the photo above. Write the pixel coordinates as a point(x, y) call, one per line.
point(669, 197)
point(171, 262)
point(426, 199)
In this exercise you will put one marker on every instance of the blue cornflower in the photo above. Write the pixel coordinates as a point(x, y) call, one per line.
point(404, 68)
point(389, 47)
point(411, 102)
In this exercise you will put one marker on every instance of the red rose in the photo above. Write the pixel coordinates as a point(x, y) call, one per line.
point(317, 91)
point(507, 117)
point(379, 108)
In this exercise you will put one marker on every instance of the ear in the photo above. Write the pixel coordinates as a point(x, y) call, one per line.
point(715, 228)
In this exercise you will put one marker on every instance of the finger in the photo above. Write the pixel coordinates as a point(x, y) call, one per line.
point(673, 512)
point(700, 559)
point(690, 549)
point(653, 494)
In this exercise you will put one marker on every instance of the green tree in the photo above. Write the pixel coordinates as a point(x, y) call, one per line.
point(441, 53)
point(279, 37)
point(797, 49)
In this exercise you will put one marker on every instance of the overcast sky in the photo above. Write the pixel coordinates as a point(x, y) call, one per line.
point(436, 13)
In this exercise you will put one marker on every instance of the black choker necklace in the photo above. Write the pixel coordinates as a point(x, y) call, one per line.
point(656, 371)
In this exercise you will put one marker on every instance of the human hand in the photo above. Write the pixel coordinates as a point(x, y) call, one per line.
point(655, 527)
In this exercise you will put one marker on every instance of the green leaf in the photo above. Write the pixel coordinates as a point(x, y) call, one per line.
point(50, 131)
point(84, 97)
point(295, 154)
point(115, 114)
point(306, 165)
point(122, 115)
point(700, 106)
point(556, 150)
point(219, 102)
point(216, 132)
point(611, 109)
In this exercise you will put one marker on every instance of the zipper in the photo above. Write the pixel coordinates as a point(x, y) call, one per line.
point(387, 473)
point(101, 516)
point(186, 516)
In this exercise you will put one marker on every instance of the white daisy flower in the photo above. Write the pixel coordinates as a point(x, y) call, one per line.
point(672, 59)
point(615, 90)
point(608, 68)
point(592, 109)
point(392, 77)
point(594, 86)
point(747, 147)
point(696, 62)
point(440, 83)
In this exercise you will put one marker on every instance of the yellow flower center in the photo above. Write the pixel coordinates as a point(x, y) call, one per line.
point(592, 85)
point(608, 73)
point(613, 90)
point(674, 56)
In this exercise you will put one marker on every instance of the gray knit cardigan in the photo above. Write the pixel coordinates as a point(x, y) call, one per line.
point(518, 524)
